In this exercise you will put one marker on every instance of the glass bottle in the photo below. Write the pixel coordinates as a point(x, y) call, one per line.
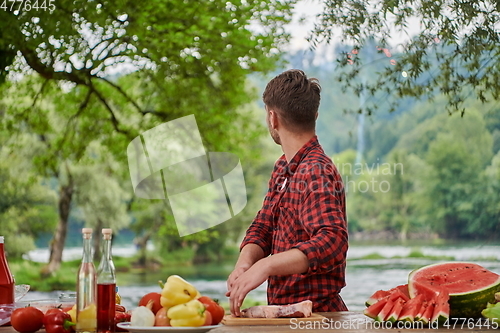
point(106, 287)
point(86, 310)
point(6, 278)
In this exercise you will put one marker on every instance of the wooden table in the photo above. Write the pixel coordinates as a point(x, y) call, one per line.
point(333, 322)
point(350, 322)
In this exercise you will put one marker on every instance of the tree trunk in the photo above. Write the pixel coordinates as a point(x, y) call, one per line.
point(141, 243)
point(97, 235)
point(57, 243)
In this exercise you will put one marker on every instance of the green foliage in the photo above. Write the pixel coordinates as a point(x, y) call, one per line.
point(455, 52)
point(26, 205)
point(91, 76)
point(28, 272)
point(446, 185)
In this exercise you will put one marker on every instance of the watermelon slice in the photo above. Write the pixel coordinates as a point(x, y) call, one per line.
point(386, 310)
point(396, 310)
point(442, 310)
point(411, 308)
point(373, 310)
point(379, 294)
point(421, 311)
point(470, 286)
point(427, 315)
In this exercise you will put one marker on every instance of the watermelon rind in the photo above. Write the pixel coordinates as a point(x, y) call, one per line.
point(427, 315)
point(384, 313)
point(411, 309)
point(442, 309)
point(395, 311)
point(467, 304)
point(379, 294)
point(373, 310)
point(471, 305)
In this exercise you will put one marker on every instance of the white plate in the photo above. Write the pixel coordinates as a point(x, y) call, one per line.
point(166, 329)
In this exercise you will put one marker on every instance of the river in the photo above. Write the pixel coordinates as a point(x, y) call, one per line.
point(369, 268)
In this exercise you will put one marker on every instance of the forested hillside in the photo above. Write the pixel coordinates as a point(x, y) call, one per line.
point(416, 171)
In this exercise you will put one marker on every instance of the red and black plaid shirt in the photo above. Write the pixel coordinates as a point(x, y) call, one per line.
point(305, 209)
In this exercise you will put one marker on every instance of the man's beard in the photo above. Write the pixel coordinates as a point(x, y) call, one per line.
point(275, 136)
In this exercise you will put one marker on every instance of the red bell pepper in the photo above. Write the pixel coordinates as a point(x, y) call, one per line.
point(58, 321)
point(121, 317)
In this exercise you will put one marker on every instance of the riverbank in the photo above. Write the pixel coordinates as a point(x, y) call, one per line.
point(161, 266)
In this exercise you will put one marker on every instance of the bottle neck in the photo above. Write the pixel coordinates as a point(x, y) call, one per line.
point(106, 249)
point(87, 249)
point(106, 270)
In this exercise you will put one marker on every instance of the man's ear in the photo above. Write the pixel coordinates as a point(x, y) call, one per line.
point(273, 119)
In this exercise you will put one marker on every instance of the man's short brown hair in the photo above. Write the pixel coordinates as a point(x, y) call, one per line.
point(295, 98)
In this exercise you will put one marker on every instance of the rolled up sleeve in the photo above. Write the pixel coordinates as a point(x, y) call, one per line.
point(323, 219)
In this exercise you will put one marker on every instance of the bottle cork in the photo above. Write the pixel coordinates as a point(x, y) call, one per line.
point(87, 232)
point(107, 232)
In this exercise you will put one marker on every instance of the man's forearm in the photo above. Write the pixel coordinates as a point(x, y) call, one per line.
point(249, 255)
point(289, 262)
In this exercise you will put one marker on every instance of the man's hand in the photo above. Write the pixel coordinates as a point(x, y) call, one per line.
point(245, 281)
point(234, 275)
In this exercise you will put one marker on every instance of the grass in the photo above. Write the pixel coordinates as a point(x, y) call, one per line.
point(29, 272)
point(414, 253)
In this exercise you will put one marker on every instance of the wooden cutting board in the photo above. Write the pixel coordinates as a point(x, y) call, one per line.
point(238, 321)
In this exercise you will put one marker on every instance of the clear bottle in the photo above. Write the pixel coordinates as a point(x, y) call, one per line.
point(106, 287)
point(6, 278)
point(86, 310)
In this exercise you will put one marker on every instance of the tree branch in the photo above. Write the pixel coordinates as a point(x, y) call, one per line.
point(113, 119)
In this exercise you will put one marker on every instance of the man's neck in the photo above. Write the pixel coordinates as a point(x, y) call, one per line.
point(292, 142)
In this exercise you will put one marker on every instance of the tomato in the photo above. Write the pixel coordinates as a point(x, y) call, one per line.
point(156, 301)
point(214, 308)
point(161, 318)
point(28, 319)
point(208, 318)
point(121, 317)
point(120, 308)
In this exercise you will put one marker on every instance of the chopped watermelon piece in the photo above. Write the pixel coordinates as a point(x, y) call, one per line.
point(386, 310)
point(427, 315)
point(421, 311)
point(411, 309)
point(373, 310)
point(442, 309)
point(379, 294)
point(404, 290)
point(396, 310)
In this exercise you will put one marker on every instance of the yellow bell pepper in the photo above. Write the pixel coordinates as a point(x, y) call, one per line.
point(187, 314)
point(177, 291)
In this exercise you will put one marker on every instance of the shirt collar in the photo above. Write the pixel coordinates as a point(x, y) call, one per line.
point(291, 167)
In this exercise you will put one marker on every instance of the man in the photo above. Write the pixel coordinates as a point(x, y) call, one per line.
point(298, 240)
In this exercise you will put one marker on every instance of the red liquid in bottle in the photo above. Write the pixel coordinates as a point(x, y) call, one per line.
point(106, 300)
point(6, 279)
